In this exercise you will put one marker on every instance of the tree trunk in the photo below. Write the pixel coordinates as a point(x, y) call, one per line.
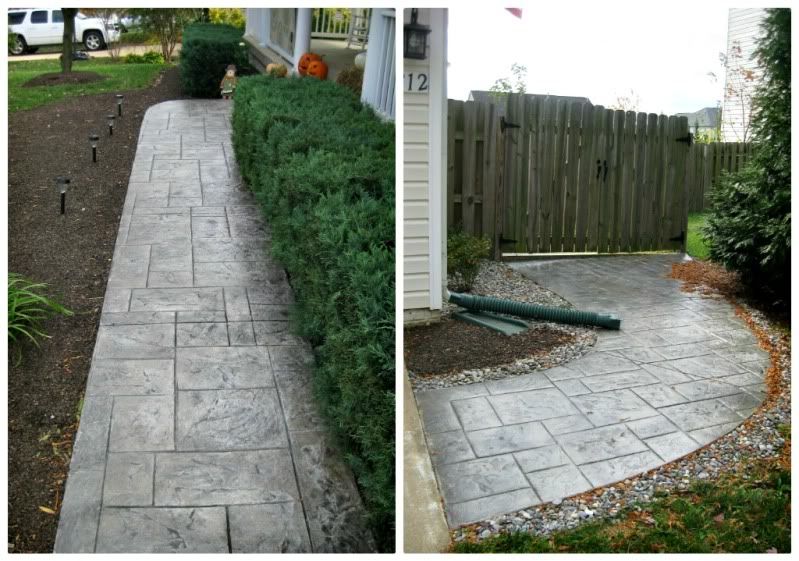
point(68, 38)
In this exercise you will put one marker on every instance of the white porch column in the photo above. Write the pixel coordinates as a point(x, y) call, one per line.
point(302, 34)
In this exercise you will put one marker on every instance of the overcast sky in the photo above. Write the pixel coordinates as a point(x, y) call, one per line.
point(662, 53)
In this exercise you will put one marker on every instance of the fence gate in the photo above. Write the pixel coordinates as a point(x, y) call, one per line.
point(540, 174)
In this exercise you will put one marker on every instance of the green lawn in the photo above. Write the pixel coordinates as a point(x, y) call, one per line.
point(734, 515)
point(695, 244)
point(119, 77)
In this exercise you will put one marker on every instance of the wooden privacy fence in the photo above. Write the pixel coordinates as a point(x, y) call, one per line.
point(706, 162)
point(554, 175)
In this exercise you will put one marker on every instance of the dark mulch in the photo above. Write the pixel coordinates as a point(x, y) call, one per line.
point(71, 253)
point(61, 79)
point(452, 345)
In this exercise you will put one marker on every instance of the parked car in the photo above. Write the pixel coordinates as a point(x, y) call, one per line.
point(36, 27)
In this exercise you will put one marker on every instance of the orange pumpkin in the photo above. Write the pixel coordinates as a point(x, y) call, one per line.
point(305, 61)
point(318, 69)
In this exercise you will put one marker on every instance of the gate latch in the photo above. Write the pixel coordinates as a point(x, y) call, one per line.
point(503, 124)
point(680, 238)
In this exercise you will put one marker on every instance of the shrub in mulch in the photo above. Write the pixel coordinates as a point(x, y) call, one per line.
point(322, 166)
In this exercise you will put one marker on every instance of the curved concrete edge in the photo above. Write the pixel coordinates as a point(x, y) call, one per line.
point(425, 526)
point(683, 372)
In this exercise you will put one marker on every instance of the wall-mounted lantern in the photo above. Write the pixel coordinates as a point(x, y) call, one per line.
point(94, 139)
point(416, 38)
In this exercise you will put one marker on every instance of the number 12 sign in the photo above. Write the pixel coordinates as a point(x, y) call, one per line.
point(417, 82)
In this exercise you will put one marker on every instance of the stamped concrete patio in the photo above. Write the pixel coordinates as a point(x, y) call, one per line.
point(199, 431)
point(683, 371)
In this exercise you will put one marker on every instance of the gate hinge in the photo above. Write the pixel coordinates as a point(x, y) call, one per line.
point(503, 124)
point(687, 139)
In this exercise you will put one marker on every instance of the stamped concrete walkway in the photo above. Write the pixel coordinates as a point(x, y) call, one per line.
point(683, 371)
point(199, 431)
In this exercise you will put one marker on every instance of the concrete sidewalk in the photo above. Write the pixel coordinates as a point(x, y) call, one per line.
point(199, 431)
point(105, 53)
point(683, 371)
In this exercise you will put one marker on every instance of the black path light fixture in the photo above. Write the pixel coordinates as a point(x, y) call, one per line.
point(120, 97)
point(110, 124)
point(94, 139)
point(62, 183)
point(416, 38)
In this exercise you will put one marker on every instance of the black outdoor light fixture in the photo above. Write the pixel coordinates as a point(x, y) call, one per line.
point(94, 138)
point(110, 124)
point(62, 183)
point(416, 38)
point(120, 97)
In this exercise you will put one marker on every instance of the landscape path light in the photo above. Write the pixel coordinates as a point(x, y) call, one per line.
point(111, 125)
point(62, 183)
point(94, 138)
point(120, 97)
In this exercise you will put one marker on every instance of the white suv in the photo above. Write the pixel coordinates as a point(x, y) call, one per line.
point(35, 27)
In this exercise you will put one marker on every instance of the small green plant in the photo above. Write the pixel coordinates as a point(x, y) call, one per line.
point(464, 253)
point(28, 308)
point(150, 57)
point(207, 51)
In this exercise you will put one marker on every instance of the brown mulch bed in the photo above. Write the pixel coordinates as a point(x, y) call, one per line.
point(61, 79)
point(72, 254)
point(452, 345)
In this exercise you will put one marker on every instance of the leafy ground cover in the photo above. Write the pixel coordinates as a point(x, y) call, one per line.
point(117, 77)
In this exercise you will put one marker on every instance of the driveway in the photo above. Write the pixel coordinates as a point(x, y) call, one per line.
point(682, 371)
point(132, 49)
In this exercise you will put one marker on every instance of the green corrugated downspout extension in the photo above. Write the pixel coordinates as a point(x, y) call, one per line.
point(535, 311)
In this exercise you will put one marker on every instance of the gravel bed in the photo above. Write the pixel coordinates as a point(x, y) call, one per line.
point(499, 280)
point(757, 438)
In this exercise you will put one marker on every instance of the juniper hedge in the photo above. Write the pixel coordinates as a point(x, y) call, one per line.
point(322, 166)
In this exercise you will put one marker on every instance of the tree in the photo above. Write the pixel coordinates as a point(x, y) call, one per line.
point(68, 39)
point(738, 88)
point(167, 24)
point(626, 102)
point(749, 228)
point(517, 83)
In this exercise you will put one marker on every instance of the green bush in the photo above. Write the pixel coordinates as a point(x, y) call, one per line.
point(749, 227)
point(206, 52)
point(464, 253)
point(28, 308)
point(322, 166)
point(150, 57)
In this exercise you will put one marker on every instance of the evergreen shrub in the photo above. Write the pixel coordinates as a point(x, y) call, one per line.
point(206, 52)
point(322, 167)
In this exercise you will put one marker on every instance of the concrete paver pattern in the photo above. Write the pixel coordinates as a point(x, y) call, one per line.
point(199, 432)
point(683, 371)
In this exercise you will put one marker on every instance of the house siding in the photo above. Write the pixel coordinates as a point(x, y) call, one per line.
point(423, 268)
point(743, 29)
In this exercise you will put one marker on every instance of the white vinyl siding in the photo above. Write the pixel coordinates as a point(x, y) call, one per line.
point(743, 29)
point(423, 184)
point(416, 192)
